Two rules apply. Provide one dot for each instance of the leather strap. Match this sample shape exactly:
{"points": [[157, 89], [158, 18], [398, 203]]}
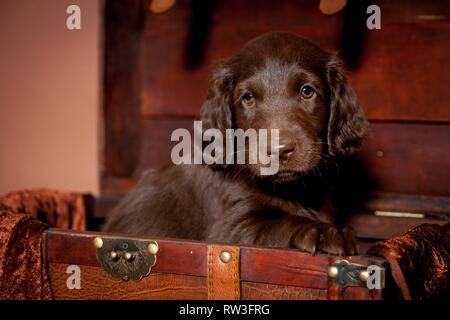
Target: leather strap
{"points": [[223, 277], [335, 292]]}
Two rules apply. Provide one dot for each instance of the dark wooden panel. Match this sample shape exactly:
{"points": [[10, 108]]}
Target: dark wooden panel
{"points": [[407, 158], [399, 62], [371, 226], [433, 207], [122, 131], [404, 158], [157, 146], [399, 76]]}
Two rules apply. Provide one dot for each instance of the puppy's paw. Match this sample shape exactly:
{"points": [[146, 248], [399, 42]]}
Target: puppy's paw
{"points": [[326, 238]]}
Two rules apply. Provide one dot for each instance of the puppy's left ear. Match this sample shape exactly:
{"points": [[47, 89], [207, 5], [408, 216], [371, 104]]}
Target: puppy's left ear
{"points": [[347, 125]]}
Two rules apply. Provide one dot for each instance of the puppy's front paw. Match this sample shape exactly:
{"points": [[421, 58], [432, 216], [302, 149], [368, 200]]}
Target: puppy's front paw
{"points": [[327, 238]]}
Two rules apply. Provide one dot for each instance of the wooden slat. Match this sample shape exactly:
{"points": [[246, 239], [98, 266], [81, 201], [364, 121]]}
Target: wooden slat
{"points": [[122, 137], [437, 207], [370, 226]]}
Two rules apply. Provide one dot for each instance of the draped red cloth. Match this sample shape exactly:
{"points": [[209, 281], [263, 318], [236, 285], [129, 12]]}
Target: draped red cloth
{"points": [[419, 261], [59, 209], [24, 216], [22, 270]]}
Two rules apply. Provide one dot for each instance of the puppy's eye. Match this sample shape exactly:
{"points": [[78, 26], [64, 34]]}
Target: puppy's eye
{"points": [[307, 92], [249, 100]]}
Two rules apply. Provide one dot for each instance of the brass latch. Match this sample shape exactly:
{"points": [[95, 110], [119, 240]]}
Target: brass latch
{"points": [[126, 259], [345, 274]]}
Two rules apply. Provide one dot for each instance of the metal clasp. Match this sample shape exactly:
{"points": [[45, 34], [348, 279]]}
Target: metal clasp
{"points": [[345, 274], [126, 259]]}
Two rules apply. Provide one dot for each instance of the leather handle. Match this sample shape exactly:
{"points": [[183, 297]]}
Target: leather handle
{"points": [[223, 273]]}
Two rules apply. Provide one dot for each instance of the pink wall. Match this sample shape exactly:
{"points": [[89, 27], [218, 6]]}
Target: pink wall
{"points": [[50, 95]]}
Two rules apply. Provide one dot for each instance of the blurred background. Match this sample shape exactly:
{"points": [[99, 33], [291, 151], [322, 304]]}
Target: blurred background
{"points": [[90, 110], [50, 96]]}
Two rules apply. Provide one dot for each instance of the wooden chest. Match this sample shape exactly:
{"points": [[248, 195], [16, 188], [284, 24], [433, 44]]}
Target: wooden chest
{"points": [[78, 269]]}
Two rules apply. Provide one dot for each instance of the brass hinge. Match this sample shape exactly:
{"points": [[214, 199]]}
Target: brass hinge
{"points": [[126, 259]]}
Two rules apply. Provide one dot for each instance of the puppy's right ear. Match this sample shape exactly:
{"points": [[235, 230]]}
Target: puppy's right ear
{"points": [[216, 111]]}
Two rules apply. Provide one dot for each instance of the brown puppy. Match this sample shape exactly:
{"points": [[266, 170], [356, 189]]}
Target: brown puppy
{"points": [[277, 81]]}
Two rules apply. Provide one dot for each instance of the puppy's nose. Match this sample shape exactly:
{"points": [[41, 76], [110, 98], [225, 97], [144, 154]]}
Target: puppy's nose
{"points": [[286, 149]]}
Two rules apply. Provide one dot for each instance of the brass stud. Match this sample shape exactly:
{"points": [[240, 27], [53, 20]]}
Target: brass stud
{"points": [[129, 256], [98, 242], [225, 256], [364, 275], [333, 271], [113, 255], [153, 248]]}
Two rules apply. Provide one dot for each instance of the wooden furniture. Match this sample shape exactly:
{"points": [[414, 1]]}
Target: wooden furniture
{"points": [[195, 270]]}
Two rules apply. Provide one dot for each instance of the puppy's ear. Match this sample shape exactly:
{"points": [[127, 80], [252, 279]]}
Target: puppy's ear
{"points": [[347, 125], [216, 111]]}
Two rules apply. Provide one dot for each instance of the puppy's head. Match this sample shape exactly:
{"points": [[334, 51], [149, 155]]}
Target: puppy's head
{"points": [[281, 81]]}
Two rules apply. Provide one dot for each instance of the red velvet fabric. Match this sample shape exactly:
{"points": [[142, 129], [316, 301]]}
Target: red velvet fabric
{"points": [[59, 209], [420, 261], [23, 273]]}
